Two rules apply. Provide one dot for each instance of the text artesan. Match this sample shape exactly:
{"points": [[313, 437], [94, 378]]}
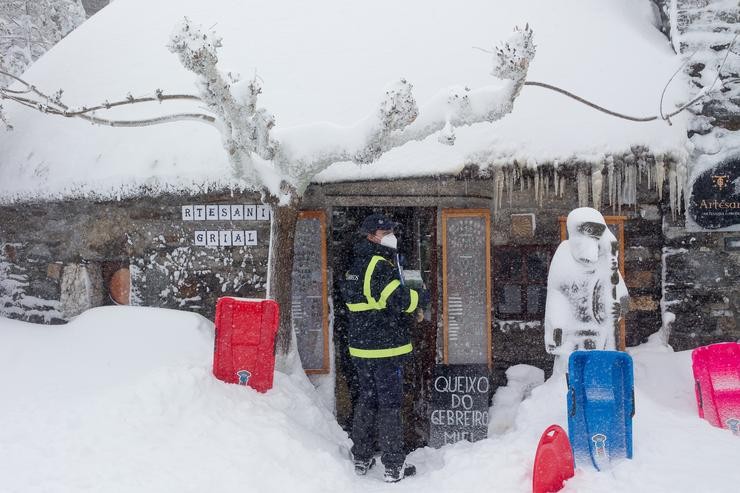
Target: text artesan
{"points": [[719, 204]]}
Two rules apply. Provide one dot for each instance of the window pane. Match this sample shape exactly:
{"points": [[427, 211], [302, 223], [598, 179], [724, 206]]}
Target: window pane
{"points": [[508, 265], [537, 266], [536, 299], [510, 299]]}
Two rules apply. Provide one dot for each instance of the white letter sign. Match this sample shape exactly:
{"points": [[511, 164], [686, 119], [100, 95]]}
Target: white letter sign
{"points": [[237, 212], [224, 238], [263, 212]]}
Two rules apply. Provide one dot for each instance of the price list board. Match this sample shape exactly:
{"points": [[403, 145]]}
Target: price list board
{"points": [[310, 308], [466, 285]]}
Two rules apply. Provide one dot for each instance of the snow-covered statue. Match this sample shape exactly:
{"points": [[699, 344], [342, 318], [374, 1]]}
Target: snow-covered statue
{"points": [[586, 295]]}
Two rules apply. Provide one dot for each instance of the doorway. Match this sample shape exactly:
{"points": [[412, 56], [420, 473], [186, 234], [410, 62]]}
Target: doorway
{"points": [[417, 247]]}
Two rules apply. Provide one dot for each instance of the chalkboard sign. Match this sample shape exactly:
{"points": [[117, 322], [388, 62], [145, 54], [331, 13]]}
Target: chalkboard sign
{"points": [[715, 198], [459, 408], [466, 286], [309, 306]]}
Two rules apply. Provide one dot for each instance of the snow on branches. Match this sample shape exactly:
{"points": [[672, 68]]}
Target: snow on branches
{"points": [[513, 56], [299, 154], [245, 129], [28, 28], [396, 111], [283, 162]]}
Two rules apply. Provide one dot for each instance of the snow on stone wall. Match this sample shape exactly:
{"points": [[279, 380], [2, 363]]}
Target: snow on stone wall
{"points": [[68, 252], [701, 300], [704, 31], [15, 300], [81, 289], [180, 277]]}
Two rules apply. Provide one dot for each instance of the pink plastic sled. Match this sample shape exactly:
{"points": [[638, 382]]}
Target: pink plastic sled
{"points": [[553, 461], [717, 375]]}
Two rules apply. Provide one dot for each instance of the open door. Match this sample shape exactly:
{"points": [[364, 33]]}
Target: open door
{"points": [[417, 247]]}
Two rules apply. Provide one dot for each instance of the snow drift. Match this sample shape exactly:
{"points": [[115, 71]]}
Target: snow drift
{"points": [[122, 399]]}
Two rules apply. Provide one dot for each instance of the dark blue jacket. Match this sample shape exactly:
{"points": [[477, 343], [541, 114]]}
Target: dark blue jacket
{"points": [[379, 305]]}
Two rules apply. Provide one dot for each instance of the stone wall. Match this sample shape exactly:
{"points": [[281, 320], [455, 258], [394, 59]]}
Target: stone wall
{"points": [[702, 296], [29, 284], [147, 236], [701, 303]]}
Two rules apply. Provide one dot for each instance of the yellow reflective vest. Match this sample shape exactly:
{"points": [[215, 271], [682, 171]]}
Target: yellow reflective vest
{"points": [[378, 304]]}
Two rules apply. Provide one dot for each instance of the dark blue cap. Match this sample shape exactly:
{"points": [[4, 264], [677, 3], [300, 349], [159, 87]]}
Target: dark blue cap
{"points": [[374, 222]]}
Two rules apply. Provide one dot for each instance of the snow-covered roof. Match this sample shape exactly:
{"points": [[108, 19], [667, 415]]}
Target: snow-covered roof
{"points": [[330, 60]]}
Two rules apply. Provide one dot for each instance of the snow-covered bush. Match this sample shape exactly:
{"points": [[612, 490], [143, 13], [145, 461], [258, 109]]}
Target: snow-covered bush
{"points": [[28, 28]]}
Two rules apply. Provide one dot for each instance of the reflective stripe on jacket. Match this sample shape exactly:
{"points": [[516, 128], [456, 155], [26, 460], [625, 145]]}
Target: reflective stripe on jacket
{"points": [[378, 304]]}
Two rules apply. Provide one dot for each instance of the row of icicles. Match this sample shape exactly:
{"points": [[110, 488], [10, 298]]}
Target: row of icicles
{"points": [[611, 182]]}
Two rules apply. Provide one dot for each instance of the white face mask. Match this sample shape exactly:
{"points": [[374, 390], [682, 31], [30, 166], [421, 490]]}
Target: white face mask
{"points": [[390, 241]]}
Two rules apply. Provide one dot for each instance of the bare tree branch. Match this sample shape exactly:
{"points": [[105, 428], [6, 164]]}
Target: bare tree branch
{"points": [[10, 91], [150, 121], [702, 94], [55, 106], [665, 87], [589, 103], [145, 99]]}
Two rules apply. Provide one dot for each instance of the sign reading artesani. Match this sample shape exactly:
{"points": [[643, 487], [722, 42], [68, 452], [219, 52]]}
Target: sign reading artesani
{"points": [[226, 212], [231, 213], [715, 198]]}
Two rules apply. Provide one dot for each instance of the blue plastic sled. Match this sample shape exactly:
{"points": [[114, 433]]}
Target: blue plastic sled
{"points": [[601, 403]]}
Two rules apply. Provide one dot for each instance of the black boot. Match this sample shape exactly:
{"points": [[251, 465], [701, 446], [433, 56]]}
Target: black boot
{"points": [[397, 473], [363, 466]]}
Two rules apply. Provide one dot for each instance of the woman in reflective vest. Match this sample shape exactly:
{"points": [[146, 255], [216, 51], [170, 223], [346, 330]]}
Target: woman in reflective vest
{"points": [[379, 307]]}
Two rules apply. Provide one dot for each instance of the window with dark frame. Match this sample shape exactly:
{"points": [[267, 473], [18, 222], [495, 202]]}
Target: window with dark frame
{"points": [[520, 281]]}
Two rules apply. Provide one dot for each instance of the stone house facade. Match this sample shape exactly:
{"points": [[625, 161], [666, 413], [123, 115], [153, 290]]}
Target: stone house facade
{"points": [[183, 251]]}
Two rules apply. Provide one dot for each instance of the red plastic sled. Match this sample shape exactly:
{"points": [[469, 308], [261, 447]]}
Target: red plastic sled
{"points": [[245, 342], [553, 461], [717, 376]]}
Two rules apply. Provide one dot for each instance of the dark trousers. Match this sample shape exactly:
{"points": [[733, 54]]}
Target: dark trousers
{"points": [[378, 409]]}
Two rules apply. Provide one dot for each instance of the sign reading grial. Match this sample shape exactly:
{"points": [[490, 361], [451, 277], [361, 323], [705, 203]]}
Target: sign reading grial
{"points": [[459, 409]]}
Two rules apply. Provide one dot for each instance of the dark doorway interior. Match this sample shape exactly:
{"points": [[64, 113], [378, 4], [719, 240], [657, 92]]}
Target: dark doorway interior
{"points": [[417, 245]]}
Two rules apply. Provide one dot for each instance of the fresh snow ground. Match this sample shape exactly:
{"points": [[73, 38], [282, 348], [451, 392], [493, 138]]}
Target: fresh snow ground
{"points": [[122, 399]]}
